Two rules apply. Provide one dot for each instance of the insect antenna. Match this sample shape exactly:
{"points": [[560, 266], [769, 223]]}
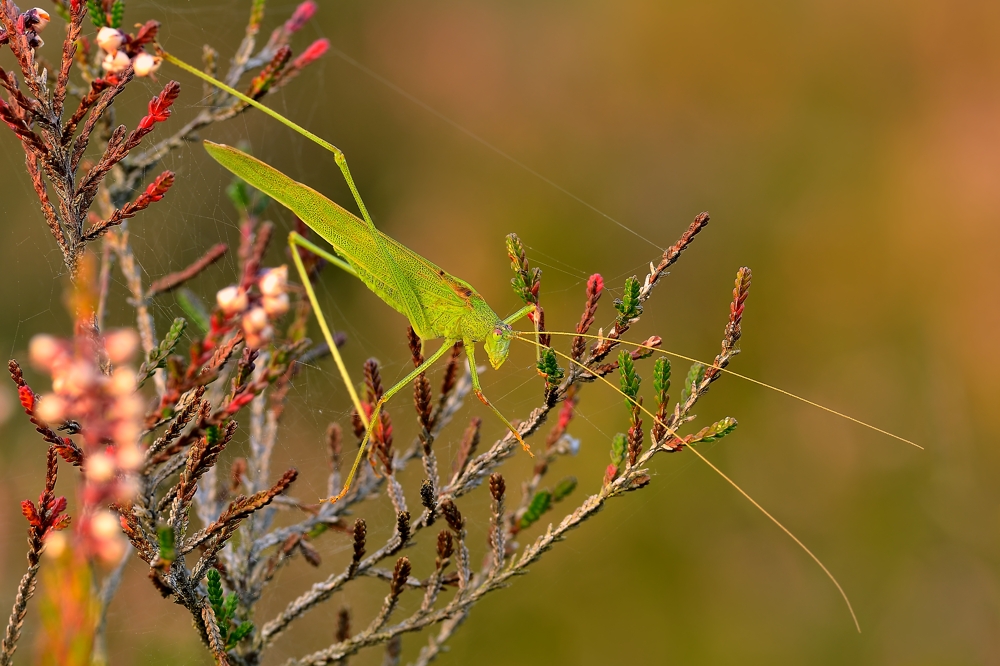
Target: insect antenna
{"points": [[673, 432], [745, 378]]}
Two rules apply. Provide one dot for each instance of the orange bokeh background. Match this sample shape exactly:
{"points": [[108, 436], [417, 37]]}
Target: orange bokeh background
{"points": [[849, 153]]}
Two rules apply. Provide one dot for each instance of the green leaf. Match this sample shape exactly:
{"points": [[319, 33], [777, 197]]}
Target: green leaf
{"points": [[239, 633], [540, 503], [97, 15], [694, 377], [564, 488], [228, 609], [630, 379], [619, 446], [158, 357], [165, 536], [716, 431], [193, 308], [214, 585], [661, 379], [548, 367], [117, 13], [628, 305]]}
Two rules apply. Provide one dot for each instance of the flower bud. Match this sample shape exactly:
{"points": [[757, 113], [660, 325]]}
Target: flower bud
{"points": [[110, 40], [232, 300], [274, 282], [115, 62], [51, 409], [145, 64], [275, 306], [45, 351], [100, 467], [121, 345]]}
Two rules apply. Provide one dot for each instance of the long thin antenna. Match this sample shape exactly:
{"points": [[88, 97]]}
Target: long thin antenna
{"points": [[673, 432], [745, 378]]}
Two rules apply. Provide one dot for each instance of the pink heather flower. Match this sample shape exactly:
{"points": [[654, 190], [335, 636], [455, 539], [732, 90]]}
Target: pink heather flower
{"points": [[107, 408]]}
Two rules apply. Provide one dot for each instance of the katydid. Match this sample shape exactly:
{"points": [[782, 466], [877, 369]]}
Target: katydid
{"points": [[437, 304]]}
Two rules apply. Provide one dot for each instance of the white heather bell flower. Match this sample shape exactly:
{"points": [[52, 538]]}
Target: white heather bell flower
{"points": [[115, 62], [110, 39], [145, 64], [275, 306], [274, 282], [232, 300]]}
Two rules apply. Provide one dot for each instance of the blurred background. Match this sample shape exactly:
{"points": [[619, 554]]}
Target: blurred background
{"points": [[849, 153]]}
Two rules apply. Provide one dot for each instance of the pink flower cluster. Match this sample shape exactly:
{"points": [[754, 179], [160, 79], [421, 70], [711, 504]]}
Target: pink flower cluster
{"points": [[107, 412], [257, 310]]}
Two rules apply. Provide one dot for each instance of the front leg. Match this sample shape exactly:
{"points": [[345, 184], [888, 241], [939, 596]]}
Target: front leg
{"points": [[470, 353]]}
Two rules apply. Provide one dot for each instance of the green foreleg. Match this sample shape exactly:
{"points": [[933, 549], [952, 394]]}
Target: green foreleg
{"points": [[470, 353]]}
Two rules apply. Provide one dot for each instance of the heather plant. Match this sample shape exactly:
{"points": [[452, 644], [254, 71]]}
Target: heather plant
{"points": [[147, 417]]}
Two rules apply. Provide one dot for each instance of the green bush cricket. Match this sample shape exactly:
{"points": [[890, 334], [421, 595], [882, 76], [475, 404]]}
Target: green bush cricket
{"points": [[437, 304]]}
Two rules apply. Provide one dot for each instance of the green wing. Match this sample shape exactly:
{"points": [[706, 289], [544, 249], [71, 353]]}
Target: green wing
{"points": [[429, 297]]}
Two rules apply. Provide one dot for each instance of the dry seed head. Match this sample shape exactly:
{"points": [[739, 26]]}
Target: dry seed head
{"points": [[453, 516], [445, 545], [497, 486], [403, 526], [399, 576]]}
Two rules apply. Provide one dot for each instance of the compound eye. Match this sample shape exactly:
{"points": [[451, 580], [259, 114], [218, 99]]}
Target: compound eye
{"points": [[498, 331]]}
